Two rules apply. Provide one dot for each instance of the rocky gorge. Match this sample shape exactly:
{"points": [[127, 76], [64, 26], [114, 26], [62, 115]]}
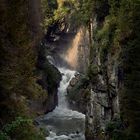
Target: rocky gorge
{"points": [[69, 70]]}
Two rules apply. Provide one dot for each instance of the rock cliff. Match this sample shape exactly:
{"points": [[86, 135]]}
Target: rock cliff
{"points": [[103, 105], [49, 78], [112, 109]]}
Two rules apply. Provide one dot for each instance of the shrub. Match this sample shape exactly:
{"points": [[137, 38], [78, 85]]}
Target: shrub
{"points": [[21, 129]]}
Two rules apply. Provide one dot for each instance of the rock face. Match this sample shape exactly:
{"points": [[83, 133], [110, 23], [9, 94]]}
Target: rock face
{"points": [[78, 93], [69, 48], [113, 107], [49, 78], [103, 104], [81, 39], [96, 95]]}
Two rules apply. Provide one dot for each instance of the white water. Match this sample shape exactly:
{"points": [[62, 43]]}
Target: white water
{"points": [[67, 75], [64, 123]]}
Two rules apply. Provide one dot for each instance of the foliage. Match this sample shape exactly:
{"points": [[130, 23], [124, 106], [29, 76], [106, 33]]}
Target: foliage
{"points": [[75, 12], [117, 37], [21, 128], [129, 40], [48, 8], [54, 11], [17, 63], [82, 13], [3, 136], [92, 73], [115, 129]]}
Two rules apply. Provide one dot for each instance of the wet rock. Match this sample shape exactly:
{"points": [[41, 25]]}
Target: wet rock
{"points": [[49, 79], [73, 82], [78, 93]]}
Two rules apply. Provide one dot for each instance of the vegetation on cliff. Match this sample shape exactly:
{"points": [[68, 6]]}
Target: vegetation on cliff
{"points": [[117, 34], [114, 33]]}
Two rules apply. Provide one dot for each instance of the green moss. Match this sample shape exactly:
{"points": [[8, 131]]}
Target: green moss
{"points": [[92, 73]]}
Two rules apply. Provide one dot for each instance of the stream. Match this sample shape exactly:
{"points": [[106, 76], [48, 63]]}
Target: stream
{"points": [[64, 123]]}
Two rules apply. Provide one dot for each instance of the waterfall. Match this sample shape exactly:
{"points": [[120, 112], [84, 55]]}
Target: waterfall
{"points": [[64, 123], [67, 75]]}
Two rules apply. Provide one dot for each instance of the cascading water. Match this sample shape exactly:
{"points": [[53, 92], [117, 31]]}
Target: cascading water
{"points": [[67, 75], [64, 123]]}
